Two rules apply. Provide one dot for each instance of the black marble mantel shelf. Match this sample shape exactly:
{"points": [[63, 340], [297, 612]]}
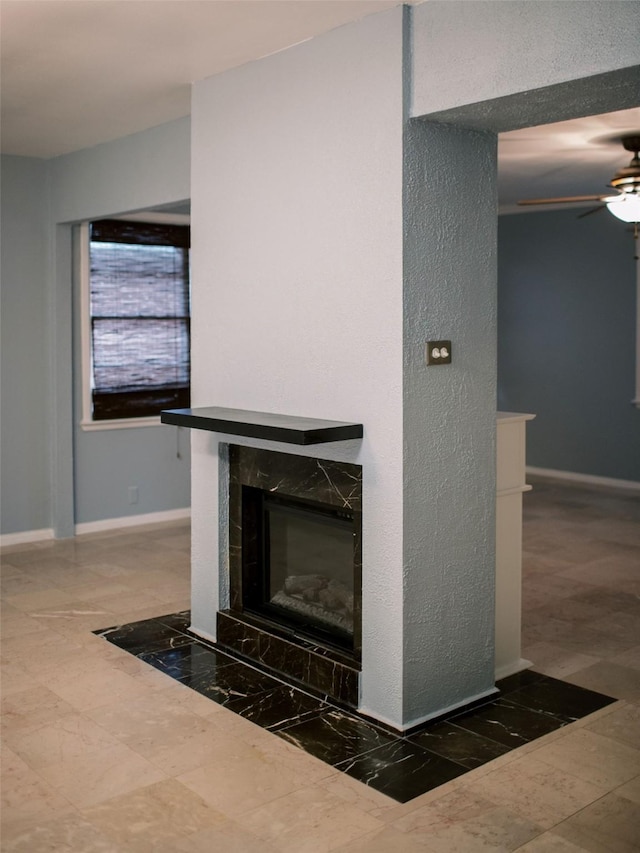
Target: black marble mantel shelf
{"points": [[285, 428]]}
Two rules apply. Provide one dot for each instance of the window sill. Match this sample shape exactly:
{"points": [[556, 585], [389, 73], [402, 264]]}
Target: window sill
{"points": [[120, 423]]}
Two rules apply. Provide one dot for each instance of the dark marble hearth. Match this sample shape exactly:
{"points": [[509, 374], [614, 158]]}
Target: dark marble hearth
{"points": [[460, 745], [146, 636], [298, 661], [403, 767], [278, 708], [563, 700], [334, 736], [508, 723]]}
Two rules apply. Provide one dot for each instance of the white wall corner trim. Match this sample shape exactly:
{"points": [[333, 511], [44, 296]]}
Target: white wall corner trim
{"points": [[133, 520], [26, 536], [204, 635], [593, 479], [511, 668]]}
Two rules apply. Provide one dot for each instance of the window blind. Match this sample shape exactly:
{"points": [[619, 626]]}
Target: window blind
{"points": [[140, 309]]}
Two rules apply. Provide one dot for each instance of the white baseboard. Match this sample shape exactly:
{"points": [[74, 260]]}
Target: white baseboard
{"points": [[592, 479], [26, 536], [418, 721], [133, 520], [203, 634], [511, 668]]}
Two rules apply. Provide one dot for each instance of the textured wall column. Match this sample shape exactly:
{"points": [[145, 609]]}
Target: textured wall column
{"points": [[449, 417]]}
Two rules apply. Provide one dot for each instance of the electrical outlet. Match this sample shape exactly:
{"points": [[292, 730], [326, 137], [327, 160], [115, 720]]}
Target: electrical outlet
{"points": [[438, 352], [133, 494]]}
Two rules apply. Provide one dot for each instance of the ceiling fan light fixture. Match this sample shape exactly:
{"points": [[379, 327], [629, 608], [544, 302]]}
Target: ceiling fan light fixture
{"points": [[625, 206]]}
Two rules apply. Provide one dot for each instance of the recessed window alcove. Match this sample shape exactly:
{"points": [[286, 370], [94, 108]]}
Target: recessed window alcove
{"points": [[295, 568]]}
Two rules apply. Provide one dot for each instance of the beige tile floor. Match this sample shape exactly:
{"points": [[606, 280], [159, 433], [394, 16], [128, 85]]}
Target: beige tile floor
{"points": [[102, 753]]}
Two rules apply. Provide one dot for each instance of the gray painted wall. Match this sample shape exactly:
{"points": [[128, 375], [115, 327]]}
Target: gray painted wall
{"points": [[40, 431], [145, 170], [566, 340], [471, 54], [25, 389], [449, 417]]}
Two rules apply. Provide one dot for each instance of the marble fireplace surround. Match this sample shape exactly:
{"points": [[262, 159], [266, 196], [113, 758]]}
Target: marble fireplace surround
{"points": [[322, 667]]}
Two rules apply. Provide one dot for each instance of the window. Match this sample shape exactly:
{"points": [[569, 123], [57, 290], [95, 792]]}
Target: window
{"points": [[138, 310]]}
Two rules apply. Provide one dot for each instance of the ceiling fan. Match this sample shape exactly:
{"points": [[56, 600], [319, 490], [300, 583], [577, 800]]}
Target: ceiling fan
{"points": [[625, 204]]}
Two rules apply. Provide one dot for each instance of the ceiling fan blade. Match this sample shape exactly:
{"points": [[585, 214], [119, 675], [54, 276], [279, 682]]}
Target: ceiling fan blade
{"points": [[564, 200], [591, 210]]}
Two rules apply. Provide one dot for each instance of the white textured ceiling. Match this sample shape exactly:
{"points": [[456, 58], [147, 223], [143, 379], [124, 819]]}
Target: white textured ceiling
{"points": [[79, 72]]}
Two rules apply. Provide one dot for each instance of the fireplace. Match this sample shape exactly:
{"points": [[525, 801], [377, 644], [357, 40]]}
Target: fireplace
{"points": [[298, 564], [295, 567]]}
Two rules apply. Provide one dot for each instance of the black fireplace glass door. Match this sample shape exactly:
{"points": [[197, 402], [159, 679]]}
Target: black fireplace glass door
{"points": [[305, 566], [311, 565]]}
